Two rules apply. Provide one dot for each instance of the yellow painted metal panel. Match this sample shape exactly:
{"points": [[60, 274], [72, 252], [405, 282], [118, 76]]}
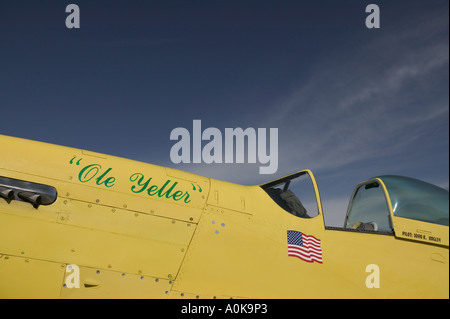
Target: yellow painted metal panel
{"points": [[96, 283], [231, 196], [95, 236], [22, 277], [233, 255], [420, 231], [247, 257], [406, 268]]}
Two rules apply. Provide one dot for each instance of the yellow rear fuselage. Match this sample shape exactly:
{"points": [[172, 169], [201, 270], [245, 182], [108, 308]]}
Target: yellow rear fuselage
{"points": [[135, 230]]}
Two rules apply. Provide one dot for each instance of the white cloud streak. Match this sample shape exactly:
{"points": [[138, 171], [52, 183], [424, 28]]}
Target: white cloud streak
{"points": [[351, 111]]}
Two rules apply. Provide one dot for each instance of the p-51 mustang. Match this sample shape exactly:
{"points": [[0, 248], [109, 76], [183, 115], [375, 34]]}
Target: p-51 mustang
{"points": [[78, 224]]}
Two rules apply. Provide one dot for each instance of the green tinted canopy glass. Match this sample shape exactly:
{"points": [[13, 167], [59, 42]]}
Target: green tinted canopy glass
{"points": [[418, 200]]}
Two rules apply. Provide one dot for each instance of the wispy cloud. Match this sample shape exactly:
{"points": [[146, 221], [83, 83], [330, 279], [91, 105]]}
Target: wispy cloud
{"points": [[382, 99], [368, 101], [361, 106]]}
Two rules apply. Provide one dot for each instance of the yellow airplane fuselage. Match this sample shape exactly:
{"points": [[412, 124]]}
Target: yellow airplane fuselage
{"points": [[133, 230]]}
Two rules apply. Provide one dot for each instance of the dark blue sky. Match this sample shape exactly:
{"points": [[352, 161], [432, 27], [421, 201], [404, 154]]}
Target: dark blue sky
{"points": [[350, 103]]}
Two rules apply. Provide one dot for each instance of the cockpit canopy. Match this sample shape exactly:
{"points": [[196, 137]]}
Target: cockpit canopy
{"points": [[418, 200], [371, 203]]}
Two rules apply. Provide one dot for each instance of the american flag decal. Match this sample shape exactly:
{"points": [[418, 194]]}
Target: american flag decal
{"points": [[305, 247]]}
